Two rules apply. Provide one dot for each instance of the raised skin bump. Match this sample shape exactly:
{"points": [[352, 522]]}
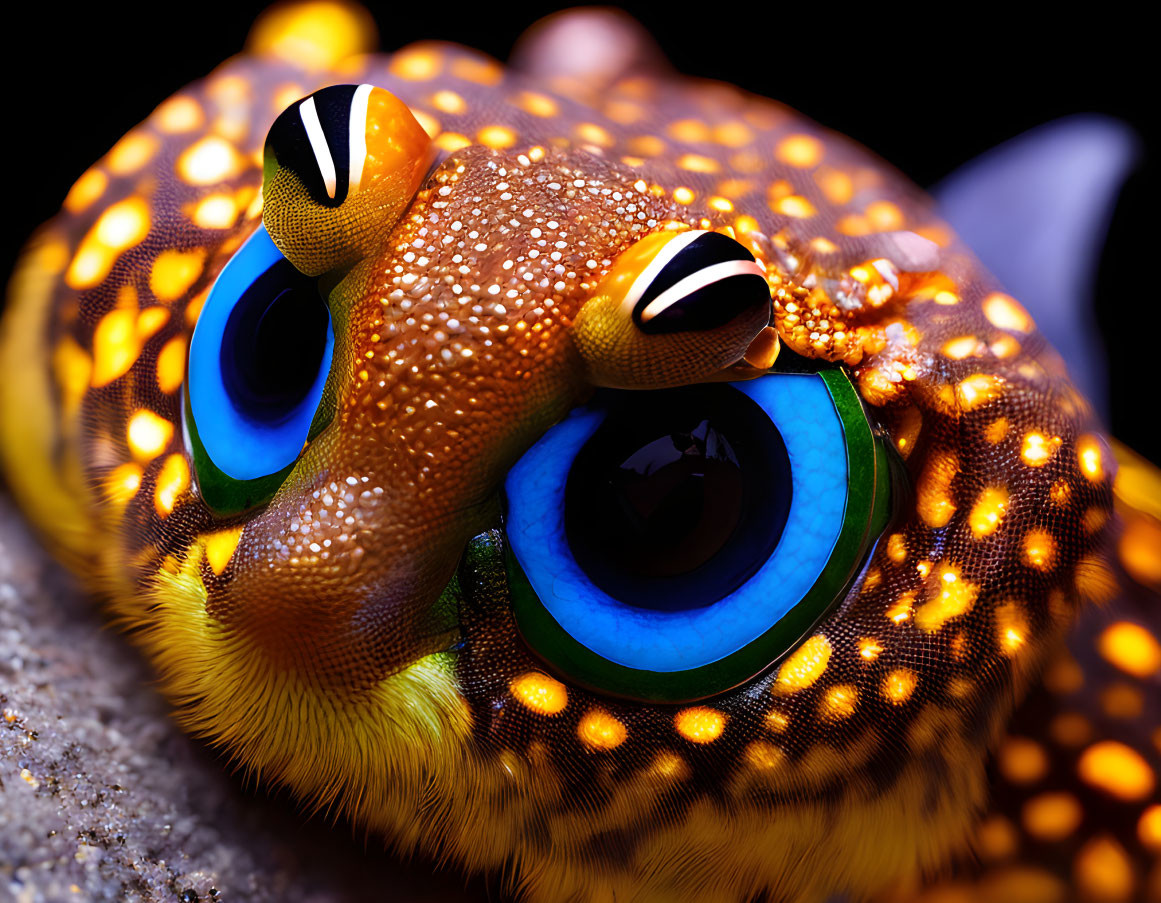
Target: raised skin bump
{"points": [[886, 739]]}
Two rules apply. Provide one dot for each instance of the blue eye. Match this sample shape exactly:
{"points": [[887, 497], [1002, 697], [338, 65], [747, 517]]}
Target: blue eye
{"points": [[671, 545], [258, 366]]}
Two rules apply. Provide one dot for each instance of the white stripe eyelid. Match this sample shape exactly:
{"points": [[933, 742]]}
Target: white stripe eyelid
{"points": [[699, 280], [318, 144], [358, 141], [668, 251]]}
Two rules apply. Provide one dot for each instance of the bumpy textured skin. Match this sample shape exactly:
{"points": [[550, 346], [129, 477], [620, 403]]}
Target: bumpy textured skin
{"points": [[304, 640]]}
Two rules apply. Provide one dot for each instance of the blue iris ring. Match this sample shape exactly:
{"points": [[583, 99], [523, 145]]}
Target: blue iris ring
{"points": [[625, 650], [259, 362]]}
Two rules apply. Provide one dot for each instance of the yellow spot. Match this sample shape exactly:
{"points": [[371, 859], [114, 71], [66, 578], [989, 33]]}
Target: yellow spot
{"points": [[698, 163], [899, 684], [823, 245], [416, 65], [208, 161], [85, 190], [777, 722], [960, 347], [977, 390], [220, 547], [669, 765], [427, 122], [647, 146], [995, 431], [869, 649], [732, 134], [448, 102], [316, 34], [122, 483], [839, 703], [805, 665], [946, 298], [1131, 648], [451, 141], [148, 435], [497, 137], [600, 730], [131, 153], [689, 130], [835, 184], [722, 205], [1088, 453], [1117, 769], [897, 548], [988, 511], [591, 133], [884, 216], [1039, 550], [178, 114], [1103, 872], [122, 226], [700, 724], [116, 346], [746, 224], [1140, 550], [1038, 448], [683, 195], [794, 205], [763, 756], [1149, 829], [174, 272], [1011, 627], [1060, 492], [477, 71], [171, 365], [996, 839], [1022, 761], [1005, 312], [540, 693], [902, 609], [955, 597], [1051, 817], [799, 150], [537, 104], [172, 481], [215, 211], [933, 492]]}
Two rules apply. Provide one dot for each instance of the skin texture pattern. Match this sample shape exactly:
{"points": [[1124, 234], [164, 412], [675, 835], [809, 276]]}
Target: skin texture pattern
{"points": [[331, 595]]}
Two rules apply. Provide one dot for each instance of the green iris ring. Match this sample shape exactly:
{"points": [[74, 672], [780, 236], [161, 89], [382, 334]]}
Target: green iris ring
{"points": [[868, 510]]}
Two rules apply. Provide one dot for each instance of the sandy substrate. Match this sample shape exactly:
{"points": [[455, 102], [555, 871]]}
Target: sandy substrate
{"points": [[103, 798]]}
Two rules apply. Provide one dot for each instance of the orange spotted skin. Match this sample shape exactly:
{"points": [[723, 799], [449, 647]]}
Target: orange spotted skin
{"points": [[857, 765]]}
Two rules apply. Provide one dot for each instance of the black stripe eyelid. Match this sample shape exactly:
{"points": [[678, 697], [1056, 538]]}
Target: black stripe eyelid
{"points": [[292, 148]]}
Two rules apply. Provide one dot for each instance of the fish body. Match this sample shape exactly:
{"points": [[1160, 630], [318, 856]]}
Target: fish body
{"points": [[348, 625]]}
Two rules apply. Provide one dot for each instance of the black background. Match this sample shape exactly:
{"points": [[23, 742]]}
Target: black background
{"points": [[927, 88]]}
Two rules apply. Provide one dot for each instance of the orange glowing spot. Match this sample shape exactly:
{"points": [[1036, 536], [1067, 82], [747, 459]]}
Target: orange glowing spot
{"points": [[1116, 769], [872, 580], [1149, 829], [988, 511], [746, 224], [954, 597], [1103, 871], [591, 133], [700, 724], [1139, 549], [220, 547], [178, 114], [902, 609], [1039, 550], [215, 211], [805, 665], [131, 153], [995, 431], [85, 190], [148, 435], [1088, 453], [1011, 627], [72, 367], [960, 347], [869, 649], [124, 224], [996, 838], [171, 365], [116, 346], [1004, 312], [417, 65], [977, 390], [647, 146], [1120, 700], [802, 151], [174, 272], [317, 34], [854, 225], [451, 141], [448, 102], [839, 703], [899, 684], [540, 693], [683, 195], [122, 483], [537, 104], [836, 185], [689, 130], [478, 71], [1131, 648], [1022, 761], [732, 134], [1059, 492], [897, 548], [208, 161], [172, 481], [669, 765], [698, 163], [934, 501], [1038, 448], [945, 298], [763, 756], [777, 722], [823, 245], [600, 730], [794, 205], [426, 121], [497, 137], [1052, 817], [722, 205], [884, 216]]}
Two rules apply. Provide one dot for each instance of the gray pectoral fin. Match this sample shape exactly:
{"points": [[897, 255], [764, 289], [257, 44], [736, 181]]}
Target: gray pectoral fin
{"points": [[1036, 210]]}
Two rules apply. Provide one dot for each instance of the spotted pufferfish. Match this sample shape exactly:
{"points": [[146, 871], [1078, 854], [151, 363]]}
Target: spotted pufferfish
{"points": [[605, 478]]}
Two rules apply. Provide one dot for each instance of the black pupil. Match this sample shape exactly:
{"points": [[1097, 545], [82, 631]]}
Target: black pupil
{"points": [[274, 344], [679, 496]]}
